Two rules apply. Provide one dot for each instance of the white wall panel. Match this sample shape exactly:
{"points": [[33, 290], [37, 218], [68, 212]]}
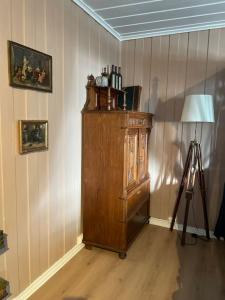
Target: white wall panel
{"points": [[180, 64], [40, 194]]}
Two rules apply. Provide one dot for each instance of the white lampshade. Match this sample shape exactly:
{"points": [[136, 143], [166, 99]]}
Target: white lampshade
{"points": [[198, 108]]}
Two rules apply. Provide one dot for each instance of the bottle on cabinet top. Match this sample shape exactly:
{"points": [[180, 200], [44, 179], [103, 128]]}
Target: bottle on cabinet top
{"points": [[105, 81], [116, 76], [108, 73], [111, 78], [119, 79]]}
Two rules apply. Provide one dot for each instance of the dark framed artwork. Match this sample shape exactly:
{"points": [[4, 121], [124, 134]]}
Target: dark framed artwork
{"points": [[29, 68], [33, 136], [3, 242], [4, 288], [133, 96]]}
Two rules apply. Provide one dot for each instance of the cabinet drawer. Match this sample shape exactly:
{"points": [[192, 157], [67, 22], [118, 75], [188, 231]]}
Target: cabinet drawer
{"points": [[137, 199], [138, 220]]}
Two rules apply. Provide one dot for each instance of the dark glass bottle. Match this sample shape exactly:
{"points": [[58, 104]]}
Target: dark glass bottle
{"points": [[108, 74], [120, 79], [112, 77], [117, 78]]}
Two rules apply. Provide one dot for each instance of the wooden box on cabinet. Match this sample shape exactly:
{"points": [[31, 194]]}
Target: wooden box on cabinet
{"points": [[115, 178]]}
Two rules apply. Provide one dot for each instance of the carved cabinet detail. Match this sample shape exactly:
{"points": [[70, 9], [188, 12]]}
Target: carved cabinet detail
{"points": [[143, 154], [132, 157]]}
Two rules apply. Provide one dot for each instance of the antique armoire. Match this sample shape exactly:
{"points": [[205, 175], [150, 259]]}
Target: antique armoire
{"points": [[115, 178]]}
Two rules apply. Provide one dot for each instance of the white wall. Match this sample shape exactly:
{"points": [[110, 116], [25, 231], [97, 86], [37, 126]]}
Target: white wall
{"points": [[40, 192], [168, 68], [40, 206]]}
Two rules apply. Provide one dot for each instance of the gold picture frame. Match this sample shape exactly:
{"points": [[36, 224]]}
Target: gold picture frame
{"points": [[33, 136]]}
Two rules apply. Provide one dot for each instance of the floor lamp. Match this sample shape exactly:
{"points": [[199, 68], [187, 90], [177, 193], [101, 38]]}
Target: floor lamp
{"points": [[197, 109]]}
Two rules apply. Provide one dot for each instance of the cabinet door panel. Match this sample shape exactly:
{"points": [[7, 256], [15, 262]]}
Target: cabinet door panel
{"points": [[132, 158], [143, 154]]}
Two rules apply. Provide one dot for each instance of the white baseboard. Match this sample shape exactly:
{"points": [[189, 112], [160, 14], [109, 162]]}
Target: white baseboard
{"points": [[166, 224], [36, 284]]}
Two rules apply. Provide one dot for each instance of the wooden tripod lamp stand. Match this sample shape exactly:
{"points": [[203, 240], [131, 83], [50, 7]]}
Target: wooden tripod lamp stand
{"points": [[197, 109]]}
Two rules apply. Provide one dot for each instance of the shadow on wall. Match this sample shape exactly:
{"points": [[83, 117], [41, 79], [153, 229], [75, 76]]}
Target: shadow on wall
{"points": [[216, 177], [211, 136]]}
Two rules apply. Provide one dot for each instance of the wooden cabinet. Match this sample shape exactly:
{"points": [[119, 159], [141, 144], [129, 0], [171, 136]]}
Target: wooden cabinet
{"points": [[115, 178]]}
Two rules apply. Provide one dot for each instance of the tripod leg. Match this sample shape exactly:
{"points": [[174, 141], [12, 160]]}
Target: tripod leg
{"points": [[201, 180], [186, 168], [188, 199]]}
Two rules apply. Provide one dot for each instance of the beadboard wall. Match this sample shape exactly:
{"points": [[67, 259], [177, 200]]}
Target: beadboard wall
{"points": [[168, 68], [40, 206]]}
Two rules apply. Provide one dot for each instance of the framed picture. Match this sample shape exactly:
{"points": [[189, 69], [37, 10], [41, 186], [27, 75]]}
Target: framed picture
{"points": [[133, 96], [3, 242], [4, 288], [33, 136], [29, 68]]}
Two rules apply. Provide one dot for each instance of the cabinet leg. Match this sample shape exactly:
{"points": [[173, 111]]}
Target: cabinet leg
{"points": [[122, 255], [89, 247]]}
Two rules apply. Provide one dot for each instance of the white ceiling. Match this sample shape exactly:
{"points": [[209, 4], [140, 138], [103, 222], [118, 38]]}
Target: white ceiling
{"points": [[131, 19]]}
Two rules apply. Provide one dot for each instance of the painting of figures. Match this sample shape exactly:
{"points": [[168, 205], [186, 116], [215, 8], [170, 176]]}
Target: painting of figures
{"points": [[33, 136], [29, 68]]}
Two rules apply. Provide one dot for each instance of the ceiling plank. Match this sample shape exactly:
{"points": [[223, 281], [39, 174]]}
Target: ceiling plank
{"points": [[172, 23], [140, 19], [171, 30], [155, 7], [130, 19], [108, 4]]}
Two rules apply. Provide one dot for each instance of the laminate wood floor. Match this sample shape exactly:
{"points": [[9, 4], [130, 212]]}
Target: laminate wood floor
{"points": [[156, 268]]}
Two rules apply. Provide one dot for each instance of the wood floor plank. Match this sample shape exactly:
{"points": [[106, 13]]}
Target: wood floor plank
{"points": [[156, 268]]}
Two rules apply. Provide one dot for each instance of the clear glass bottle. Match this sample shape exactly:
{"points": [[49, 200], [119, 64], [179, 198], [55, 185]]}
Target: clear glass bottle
{"points": [[104, 78]]}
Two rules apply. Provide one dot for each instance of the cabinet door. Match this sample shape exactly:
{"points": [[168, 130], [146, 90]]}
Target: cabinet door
{"points": [[132, 158], [143, 154]]}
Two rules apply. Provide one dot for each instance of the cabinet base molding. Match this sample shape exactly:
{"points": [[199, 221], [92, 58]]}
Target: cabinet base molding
{"points": [[122, 253], [41, 280], [89, 245], [179, 227]]}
